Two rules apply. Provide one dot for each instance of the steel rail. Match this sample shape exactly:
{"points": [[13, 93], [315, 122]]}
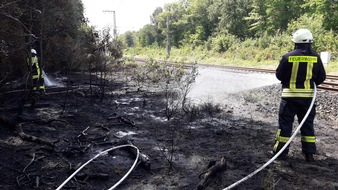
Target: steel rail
{"points": [[334, 77], [330, 84]]}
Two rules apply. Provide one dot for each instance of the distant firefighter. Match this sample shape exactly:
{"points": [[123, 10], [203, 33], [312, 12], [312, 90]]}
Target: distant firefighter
{"points": [[37, 76]]}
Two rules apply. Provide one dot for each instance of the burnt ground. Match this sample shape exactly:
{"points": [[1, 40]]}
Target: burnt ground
{"points": [[71, 127]]}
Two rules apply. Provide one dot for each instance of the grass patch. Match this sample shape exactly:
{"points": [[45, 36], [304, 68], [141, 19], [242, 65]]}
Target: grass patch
{"points": [[260, 58]]}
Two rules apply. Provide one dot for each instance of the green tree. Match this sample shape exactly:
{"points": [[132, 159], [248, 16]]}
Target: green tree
{"points": [[324, 40], [159, 33], [231, 15], [258, 18], [327, 8], [178, 26], [280, 13], [55, 28], [129, 39], [198, 28], [147, 35], [61, 23]]}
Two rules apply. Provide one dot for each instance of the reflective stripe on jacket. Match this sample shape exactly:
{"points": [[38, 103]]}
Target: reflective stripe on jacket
{"points": [[36, 71], [298, 70]]}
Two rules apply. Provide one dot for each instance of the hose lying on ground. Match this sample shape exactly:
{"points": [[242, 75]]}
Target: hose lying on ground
{"points": [[99, 154], [282, 149]]}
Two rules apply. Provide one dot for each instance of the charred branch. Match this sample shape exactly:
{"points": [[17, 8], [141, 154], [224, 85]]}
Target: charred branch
{"points": [[211, 172]]}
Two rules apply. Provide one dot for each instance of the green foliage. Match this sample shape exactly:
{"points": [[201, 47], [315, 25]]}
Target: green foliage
{"points": [[327, 9], [175, 82], [258, 18], [242, 32], [222, 43], [202, 22], [53, 28], [233, 14], [58, 31], [324, 40], [211, 108], [332, 68], [147, 35], [281, 12], [129, 39]]}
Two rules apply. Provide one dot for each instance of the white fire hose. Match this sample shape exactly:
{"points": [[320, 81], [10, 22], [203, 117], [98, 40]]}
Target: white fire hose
{"points": [[99, 154], [282, 149], [227, 188]]}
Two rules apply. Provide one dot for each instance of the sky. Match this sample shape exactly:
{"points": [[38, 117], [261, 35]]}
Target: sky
{"points": [[131, 15]]}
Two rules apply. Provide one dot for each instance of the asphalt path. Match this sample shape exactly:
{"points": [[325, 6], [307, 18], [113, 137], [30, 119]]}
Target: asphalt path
{"points": [[213, 85]]}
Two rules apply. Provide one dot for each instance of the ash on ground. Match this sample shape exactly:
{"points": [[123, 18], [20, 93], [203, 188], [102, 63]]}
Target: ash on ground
{"points": [[241, 129]]}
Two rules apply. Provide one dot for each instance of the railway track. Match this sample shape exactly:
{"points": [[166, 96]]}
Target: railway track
{"points": [[330, 84]]}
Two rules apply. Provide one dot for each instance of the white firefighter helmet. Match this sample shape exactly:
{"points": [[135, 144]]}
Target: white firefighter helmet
{"points": [[302, 36], [33, 51]]}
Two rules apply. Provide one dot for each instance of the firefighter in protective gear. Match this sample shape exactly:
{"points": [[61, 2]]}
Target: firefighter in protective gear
{"points": [[298, 70], [37, 76]]}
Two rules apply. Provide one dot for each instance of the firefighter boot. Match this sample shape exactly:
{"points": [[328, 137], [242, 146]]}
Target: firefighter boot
{"points": [[277, 147], [309, 157]]}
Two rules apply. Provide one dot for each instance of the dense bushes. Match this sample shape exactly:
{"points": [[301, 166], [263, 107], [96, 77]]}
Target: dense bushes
{"points": [[247, 32]]}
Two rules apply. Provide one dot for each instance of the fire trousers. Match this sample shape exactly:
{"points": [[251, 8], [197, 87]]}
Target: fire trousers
{"points": [[289, 108]]}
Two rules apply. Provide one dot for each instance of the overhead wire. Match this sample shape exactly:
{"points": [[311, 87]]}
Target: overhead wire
{"points": [[119, 5]]}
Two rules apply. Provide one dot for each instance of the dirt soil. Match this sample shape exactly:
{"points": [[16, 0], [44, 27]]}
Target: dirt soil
{"points": [[65, 129]]}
